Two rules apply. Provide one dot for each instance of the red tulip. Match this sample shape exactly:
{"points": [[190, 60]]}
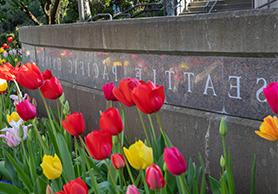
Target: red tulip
{"points": [[51, 88], [29, 76], [26, 110], [118, 161], [108, 91], [5, 46], [148, 97], [154, 177], [123, 92], [74, 124], [111, 121], [10, 39], [47, 74], [7, 72], [99, 144], [132, 189], [271, 95], [174, 160], [76, 186]]}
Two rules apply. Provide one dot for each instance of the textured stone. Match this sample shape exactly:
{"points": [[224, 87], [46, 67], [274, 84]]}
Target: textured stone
{"points": [[228, 85]]}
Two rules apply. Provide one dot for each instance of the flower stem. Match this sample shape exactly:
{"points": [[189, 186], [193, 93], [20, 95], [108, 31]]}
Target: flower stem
{"points": [[143, 125], [48, 114], [144, 182], [76, 155], [18, 90], [111, 177], [166, 138], [45, 150], [183, 187], [152, 127], [93, 180], [129, 172]]}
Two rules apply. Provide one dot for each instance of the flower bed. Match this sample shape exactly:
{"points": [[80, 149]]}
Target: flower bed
{"points": [[53, 154]]}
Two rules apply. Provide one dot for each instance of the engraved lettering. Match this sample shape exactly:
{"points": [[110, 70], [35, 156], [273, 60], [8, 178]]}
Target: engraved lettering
{"points": [[235, 87], [209, 85]]}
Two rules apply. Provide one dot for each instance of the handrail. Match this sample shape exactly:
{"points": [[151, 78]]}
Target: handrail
{"points": [[213, 5], [135, 6], [101, 15], [266, 4]]}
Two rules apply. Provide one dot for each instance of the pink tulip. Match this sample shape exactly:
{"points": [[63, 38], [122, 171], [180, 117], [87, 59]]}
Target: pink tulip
{"points": [[132, 189], [271, 95], [154, 177], [174, 160]]}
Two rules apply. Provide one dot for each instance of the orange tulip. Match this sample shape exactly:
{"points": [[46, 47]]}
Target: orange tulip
{"points": [[269, 129]]}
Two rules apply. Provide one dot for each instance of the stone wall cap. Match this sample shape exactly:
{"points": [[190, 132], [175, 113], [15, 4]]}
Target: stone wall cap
{"points": [[251, 31]]}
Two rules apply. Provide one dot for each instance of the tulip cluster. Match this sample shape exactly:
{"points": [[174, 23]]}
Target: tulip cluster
{"points": [[69, 158], [148, 97]]}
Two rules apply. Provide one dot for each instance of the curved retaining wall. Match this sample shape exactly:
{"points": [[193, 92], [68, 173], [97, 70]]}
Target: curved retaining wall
{"points": [[210, 65]]}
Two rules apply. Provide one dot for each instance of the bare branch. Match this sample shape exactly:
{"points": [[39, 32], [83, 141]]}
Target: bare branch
{"points": [[26, 10]]}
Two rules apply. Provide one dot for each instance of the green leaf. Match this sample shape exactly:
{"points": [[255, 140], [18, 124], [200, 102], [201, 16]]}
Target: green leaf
{"points": [[4, 171], [10, 189], [214, 185], [20, 172], [253, 176], [65, 155]]}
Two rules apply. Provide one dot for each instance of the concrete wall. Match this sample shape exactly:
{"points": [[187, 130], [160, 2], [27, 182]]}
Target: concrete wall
{"points": [[237, 35]]}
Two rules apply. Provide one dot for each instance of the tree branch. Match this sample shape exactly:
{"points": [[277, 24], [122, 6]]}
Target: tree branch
{"points": [[45, 6], [25, 9]]}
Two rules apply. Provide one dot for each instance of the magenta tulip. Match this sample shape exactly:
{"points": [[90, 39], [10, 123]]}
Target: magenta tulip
{"points": [[26, 110], [174, 161], [271, 95], [108, 91]]}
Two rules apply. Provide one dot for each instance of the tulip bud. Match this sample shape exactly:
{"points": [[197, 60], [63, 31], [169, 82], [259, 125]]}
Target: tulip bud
{"points": [[118, 161], [132, 189], [111, 121], [74, 124], [26, 110], [99, 144], [154, 177], [49, 190], [223, 129], [108, 91], [5, 46], [10, 39], [222, 161]]}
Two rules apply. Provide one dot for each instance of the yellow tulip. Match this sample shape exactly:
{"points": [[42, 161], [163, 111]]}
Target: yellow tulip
{"points": [[2, 50], [2, 61], [269, 128], [3, 85], [13, 117], [139, 155], [51, 166]]}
